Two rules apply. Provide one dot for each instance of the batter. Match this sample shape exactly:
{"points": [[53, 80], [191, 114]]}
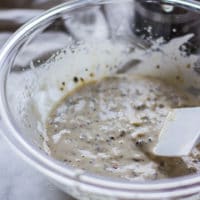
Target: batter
{"points": [[109, 127]]}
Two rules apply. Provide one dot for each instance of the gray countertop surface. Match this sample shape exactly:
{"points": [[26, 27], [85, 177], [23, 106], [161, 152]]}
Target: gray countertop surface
{"points": [[20, 181]]}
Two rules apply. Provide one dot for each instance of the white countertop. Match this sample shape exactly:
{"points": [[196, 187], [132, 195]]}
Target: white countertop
{"points": [[19, 181]]}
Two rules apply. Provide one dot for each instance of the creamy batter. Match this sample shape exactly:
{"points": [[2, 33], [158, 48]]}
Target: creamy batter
{"points": [[109, 127]]}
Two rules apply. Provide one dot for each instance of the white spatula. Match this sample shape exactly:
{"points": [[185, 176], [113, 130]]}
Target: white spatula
{"points": [[180, 132]]}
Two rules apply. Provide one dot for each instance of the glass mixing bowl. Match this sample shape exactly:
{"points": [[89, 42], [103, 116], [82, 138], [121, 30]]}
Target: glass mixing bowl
{"points": [[158, 38]]}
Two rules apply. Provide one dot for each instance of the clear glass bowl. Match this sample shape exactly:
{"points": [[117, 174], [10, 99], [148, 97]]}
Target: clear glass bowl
{"points": [[128, 35]]}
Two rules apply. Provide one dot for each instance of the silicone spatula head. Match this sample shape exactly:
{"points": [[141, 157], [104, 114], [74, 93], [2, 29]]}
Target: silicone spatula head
{"points": [[180, 132]]}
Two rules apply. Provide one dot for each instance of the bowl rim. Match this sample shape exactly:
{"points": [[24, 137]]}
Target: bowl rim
{"points": [[149, 189]]}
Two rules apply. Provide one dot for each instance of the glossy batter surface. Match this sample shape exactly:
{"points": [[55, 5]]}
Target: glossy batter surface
{"points": [[109, 128]]}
